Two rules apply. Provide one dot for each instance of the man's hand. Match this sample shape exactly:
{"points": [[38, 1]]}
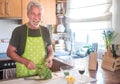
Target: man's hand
{"points": [[30, 65], [49, 62], [49, 58]]}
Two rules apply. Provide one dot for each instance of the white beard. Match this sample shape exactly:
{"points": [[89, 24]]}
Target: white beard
{"points": [[35, 24]]}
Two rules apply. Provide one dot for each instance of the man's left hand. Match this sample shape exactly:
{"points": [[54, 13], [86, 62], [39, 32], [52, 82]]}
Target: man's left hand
{"points": [[49, 62]]}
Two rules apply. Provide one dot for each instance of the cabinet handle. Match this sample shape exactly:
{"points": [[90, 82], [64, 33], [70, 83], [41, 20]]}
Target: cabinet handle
{"points": [[7, 8]]}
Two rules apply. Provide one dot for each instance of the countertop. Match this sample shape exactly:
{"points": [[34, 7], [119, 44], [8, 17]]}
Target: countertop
{"points": [[24, 81], [101, 75], [3, 57], [58, 77]]}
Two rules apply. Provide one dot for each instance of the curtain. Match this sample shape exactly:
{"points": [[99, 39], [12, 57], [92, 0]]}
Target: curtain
{"points": [[88, 16], [88, 10]]}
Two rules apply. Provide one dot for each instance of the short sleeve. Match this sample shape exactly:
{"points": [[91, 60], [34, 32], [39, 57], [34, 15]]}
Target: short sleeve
{"points": [[14, 41]]}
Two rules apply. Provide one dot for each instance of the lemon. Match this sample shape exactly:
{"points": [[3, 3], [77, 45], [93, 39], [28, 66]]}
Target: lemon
{"points": [[70, 79]]}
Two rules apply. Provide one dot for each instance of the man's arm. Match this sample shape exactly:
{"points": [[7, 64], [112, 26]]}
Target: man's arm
{"points": [[11, 52], [50, 56]]}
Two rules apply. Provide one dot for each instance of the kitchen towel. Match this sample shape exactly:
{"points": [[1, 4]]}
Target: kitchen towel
{"points": [[9, 73]]}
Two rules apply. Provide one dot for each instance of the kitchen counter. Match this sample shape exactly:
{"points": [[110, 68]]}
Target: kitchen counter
{"points": [[3, 57], [56, 78], [101, 75], [23, 81], [34, 80]]}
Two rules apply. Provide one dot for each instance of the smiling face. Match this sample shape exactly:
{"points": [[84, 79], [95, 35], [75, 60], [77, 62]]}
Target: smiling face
{"points": [[34, 16]]}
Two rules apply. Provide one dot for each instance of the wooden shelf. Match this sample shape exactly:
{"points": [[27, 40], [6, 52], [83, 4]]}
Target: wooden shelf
{"points": [[60, 14], [60, 1]]}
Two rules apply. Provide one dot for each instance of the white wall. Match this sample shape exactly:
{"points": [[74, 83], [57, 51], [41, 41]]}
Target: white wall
{"points": [[6, 28]]}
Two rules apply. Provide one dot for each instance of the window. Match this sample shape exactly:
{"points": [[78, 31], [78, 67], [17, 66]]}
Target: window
{"points": [[87, 19]]}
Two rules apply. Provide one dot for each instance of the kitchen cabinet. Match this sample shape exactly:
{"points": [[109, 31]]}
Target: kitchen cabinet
{"points": [[49, 14], [24, 11], [56, 65], [10, 8]]}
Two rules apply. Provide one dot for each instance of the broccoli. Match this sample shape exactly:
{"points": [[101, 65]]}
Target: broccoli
{"points": [[43, 71]]}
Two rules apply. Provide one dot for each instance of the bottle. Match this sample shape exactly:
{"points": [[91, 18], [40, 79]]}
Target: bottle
{"points": [[60, 27]]}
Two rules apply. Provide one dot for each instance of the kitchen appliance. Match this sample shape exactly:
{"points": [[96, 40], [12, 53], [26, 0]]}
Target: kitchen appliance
{"points": [[5, 64]]}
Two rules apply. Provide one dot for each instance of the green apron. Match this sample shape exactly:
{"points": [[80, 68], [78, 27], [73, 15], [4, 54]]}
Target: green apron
{"points": [[35, 51]]}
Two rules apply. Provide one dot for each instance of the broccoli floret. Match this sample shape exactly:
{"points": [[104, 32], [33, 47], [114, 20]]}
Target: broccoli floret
{"points": [[43, 71]]}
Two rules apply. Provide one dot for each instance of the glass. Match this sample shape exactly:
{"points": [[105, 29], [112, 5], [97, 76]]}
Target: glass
{"points": [[81, 71]]}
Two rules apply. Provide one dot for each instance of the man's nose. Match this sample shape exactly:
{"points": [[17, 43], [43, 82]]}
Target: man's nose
{"points": [[37, 17]]}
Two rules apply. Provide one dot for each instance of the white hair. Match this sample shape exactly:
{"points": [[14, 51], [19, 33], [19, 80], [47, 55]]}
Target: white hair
{"points": [[34, 3]]}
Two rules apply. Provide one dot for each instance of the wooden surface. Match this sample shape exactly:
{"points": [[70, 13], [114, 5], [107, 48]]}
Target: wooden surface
{"points": [[56, 65], [110, 63], [93, 61], [10, 8], [24, 11], [49, 12], [103, 76]]}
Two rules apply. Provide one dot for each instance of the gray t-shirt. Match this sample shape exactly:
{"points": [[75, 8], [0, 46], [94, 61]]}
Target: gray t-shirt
{"points": [[19, 35]]}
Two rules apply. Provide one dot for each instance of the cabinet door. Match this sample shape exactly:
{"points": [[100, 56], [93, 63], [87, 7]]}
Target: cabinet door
{"points": [[13, 8], [49, 15], [56, 65], [24, 11], [10, 8], [2, 7]]}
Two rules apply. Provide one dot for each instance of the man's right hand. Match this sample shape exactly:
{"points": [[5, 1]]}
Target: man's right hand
{"points": [[30, 65]]}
